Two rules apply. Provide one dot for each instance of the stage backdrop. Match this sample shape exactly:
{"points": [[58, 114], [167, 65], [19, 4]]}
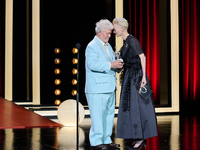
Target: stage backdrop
{"points": [[190, 52], [150, 23], [63, 24]]}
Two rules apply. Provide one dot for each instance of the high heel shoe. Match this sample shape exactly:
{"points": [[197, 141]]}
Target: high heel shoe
{"points": [[142, 144], [131, 142]]}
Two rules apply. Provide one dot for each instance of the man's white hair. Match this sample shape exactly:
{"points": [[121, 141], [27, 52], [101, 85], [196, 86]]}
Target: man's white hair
{"points": [[102, 25]]}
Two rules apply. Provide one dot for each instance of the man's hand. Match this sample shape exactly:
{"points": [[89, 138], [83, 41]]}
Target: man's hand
{"points": [[117, 64]]}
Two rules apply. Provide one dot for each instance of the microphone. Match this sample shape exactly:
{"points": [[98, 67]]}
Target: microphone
{"points": [[78, 45]]}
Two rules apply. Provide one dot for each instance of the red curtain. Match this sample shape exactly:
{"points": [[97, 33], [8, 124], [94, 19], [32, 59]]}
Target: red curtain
{"points": [[190, 47], [145, 27], [190, 135]]}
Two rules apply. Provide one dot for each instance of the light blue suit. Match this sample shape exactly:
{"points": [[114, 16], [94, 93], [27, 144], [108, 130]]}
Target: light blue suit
{"points": [[100, 91]]}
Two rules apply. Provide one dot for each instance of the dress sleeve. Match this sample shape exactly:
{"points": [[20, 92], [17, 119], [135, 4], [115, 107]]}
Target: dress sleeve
{"points": [[135, 45]]}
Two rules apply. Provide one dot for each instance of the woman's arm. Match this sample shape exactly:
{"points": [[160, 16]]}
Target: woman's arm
{"points": [[143, 64]]}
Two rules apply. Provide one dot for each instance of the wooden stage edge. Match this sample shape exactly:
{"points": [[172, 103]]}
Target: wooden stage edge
{"points": [[17, 117]]}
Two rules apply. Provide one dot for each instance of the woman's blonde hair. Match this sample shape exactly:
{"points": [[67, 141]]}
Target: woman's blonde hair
{"points": [[121, 22]]}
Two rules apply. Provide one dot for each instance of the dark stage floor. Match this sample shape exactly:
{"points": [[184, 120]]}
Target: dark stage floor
{"points": [[176, 132]]}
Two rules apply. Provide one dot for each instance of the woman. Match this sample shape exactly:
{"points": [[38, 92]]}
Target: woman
{"points": [[136, 116]]}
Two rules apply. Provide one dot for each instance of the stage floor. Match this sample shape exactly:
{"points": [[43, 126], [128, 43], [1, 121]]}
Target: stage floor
{"points": [[22, 129], [176, 132]]}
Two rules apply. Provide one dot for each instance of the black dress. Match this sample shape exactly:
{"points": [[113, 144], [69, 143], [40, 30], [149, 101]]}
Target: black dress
{"points": [[136, 116]]}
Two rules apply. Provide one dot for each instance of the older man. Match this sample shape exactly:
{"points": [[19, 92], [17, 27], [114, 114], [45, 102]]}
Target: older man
{"points": [[101, 85]]}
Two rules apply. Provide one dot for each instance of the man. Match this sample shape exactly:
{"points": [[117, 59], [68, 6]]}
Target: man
{"points": [[100, 86]]}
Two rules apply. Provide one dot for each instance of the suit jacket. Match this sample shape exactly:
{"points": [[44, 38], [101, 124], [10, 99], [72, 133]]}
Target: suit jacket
{"points": [[99, 77]]}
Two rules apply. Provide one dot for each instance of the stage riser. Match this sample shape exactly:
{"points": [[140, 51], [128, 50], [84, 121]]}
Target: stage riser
{"points": [[51, 111]]}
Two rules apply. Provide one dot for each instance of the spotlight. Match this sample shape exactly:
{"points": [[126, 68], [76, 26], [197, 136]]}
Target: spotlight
{"points": [[74, 82], [57, 102], [57, 61], [57, 50], [75, 50], [74, 71], [74, 92], [57, 92], [57, 81], [75, 61], [57, 71]]}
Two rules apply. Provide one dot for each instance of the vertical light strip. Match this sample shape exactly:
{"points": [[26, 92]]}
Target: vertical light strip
{"points": [[174, 54], [118, 44], [8, 49], [174, 59], [27, 51], [36, 51]]}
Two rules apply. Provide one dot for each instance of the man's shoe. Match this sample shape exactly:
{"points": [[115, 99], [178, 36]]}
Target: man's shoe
{"points": [[101, 146], [113, 146]]}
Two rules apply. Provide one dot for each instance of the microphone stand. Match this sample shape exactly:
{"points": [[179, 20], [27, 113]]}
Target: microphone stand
{"points": [[77, 99]]}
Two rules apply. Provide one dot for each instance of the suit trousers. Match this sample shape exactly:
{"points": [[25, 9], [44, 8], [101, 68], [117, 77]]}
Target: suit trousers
{"points": [[102, 111]]}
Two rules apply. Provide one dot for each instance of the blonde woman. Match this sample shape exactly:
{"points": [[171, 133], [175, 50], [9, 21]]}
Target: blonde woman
{"points": [[136, 116]]}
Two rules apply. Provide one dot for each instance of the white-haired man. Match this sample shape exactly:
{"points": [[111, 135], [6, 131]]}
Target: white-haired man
{"points": [[100, 86]]}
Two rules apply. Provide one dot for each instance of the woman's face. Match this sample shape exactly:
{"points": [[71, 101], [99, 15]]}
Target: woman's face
{"points": [[118, 30]]}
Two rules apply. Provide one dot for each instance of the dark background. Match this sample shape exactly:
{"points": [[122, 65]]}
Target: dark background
{"points": [[62, 25]]}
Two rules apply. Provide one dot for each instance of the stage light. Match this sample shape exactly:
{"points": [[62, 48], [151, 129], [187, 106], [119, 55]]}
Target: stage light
{"points": [[57, 71], [74, 92], [75, 50], [57, 102], [57, 50], [74, 71], [57, 92], [67, 112], [57, 81], [74, 82], [57, 61], [75, 61]]}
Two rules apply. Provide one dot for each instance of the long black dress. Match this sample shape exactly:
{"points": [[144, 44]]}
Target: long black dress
{"points": [[136, 116]]}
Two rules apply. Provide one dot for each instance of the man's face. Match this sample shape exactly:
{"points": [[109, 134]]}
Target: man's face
{"points": [[104, 35]]}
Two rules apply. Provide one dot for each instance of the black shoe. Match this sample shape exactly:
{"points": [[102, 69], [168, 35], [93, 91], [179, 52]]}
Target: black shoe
{"points": [[113, 146], [131, 142], [142, 144], [101, 146]]}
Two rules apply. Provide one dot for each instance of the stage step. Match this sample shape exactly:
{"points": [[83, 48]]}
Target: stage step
{"points": [[50, 111], [17, 117]]}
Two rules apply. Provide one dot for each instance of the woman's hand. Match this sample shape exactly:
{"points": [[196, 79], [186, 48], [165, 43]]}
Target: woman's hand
{"points": [[143, 82]]}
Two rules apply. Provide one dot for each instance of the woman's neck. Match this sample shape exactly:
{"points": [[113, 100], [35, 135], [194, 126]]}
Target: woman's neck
{"points": [[125, 35]]}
